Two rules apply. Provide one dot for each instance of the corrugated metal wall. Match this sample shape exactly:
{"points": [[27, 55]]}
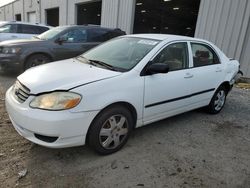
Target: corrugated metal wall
{"points": [[118, 13], [226, 23], [110, 13], [245, 54]]}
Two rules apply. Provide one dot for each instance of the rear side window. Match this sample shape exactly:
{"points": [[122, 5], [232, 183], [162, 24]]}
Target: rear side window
{"points": [[97, 35], [9, 28], [102, 35], [31, 29], [27, 29], [42, 29], [203, 55]]}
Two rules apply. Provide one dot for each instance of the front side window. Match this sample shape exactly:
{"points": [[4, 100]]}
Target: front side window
{"points": [[174, 55], [203, 55], [123, 53], [9, 28], [75, 35]]}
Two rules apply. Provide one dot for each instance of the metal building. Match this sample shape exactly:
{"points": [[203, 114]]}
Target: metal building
{"points": [[224, 22]]}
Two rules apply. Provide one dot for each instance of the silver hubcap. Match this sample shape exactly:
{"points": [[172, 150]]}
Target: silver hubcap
{"points": [[220, 100], [113, 131]]}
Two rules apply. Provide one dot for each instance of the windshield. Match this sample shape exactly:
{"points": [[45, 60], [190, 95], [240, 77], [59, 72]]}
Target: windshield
{"points": [[123, 53], [50, 34]]}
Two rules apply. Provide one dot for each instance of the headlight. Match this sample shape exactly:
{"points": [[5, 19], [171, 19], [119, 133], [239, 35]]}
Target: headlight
{"points": [[56, 101], [10, 50]]}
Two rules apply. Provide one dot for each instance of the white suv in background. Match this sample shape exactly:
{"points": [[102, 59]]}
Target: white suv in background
{"points": [[20, 30]]}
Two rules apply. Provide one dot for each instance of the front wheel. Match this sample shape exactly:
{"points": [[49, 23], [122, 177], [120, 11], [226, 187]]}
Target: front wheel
{"points": [[35, 60], [218, 101], [110, 130]]}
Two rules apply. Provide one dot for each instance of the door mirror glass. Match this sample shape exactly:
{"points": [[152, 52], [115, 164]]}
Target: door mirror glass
{"points": [[156, 68]]}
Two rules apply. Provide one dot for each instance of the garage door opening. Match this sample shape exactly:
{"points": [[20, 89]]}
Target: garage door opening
{"points": [[18, 17], [52, 16], [165, 16], [89, 13], [31, 17]]}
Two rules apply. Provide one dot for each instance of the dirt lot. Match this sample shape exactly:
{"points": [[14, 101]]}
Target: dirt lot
{"points": [[190, 150]]}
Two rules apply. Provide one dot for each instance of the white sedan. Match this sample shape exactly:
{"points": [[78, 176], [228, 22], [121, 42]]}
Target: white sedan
{"points": [[101, 96]]}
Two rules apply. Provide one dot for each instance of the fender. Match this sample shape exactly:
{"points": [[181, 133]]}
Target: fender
{"points": [[30, 51]]}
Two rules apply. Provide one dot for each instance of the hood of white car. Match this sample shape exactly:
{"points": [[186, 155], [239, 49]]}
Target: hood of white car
{"points": [[63, 75]]}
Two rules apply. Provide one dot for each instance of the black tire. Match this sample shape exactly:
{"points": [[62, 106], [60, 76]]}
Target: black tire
{"points": [[104, 144], [214, 107], [35, 60]]}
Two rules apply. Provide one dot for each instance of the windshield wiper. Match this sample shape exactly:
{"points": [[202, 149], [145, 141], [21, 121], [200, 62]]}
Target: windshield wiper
{"points": [[108, 66], [94, 62], [82, 59], [97, 62]]}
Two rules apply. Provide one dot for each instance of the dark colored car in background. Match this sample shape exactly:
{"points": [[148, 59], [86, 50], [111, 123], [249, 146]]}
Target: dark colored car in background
{"points": [[59, 43]]}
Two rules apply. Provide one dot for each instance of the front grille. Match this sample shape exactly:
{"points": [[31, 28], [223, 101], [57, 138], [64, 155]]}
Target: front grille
{"points": [[21, 92]]}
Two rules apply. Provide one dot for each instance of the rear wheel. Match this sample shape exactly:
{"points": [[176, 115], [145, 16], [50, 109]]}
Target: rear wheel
{"points": [[35, 60], [218, 101], [110, 130]]}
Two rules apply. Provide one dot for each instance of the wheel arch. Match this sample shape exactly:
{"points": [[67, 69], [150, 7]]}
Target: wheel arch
{"points": [[37, 53], [127, 105], [226, 85]]}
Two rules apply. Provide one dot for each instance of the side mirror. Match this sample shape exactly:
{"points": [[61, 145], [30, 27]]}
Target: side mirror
{"points": [[62, 39], [156, 68]]}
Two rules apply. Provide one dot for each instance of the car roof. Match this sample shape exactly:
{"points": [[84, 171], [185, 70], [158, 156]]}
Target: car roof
{"points": [[26, 23], [162, 37], [85, 26]]}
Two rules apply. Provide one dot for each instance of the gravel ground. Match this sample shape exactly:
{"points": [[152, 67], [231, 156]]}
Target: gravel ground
{"points": [[193, 149]]}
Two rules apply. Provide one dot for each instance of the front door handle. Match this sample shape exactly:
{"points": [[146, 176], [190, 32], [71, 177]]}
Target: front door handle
{"points": [[13, 36], [188, 75]]}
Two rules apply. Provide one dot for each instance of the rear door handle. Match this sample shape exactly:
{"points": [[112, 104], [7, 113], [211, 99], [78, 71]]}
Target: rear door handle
{"points": [[13, 36], [188, 75]]}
